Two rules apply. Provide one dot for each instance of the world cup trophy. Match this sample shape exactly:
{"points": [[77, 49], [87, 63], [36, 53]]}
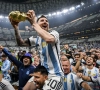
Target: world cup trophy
{"points": [[17, 16]]}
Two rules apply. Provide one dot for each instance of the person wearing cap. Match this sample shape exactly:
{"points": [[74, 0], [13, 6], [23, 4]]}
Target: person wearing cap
{"points": [[5, 67], [25, 68]]}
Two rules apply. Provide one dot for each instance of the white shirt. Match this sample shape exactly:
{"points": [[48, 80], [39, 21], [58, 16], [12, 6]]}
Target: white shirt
{"points": [[49, 53], [71, 82], [96, 79], [91, 72], [5, 85]]}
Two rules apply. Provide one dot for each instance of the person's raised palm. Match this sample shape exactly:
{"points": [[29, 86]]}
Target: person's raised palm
{"points": [[31, 17], [13, 23]]}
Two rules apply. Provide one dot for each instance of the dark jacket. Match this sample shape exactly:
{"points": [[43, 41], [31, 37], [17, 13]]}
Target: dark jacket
{"points": [[24, 71]]}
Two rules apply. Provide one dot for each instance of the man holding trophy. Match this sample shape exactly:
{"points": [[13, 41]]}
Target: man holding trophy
{"points": [[48, 45]]}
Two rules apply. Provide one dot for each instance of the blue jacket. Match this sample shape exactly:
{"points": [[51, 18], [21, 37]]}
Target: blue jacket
{"points": [[24, 71]]}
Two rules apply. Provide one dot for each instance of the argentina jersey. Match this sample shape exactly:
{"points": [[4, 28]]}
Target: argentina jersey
{"points": [[96, 79], [50, 54], [90, 72], [94, 72], [71, 82]]}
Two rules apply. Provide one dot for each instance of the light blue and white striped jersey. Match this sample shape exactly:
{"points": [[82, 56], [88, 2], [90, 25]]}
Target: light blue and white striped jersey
{"points": [[96, 80], [90, 72], [4, 68], [49, 53], [93, 73], [71, 81]]}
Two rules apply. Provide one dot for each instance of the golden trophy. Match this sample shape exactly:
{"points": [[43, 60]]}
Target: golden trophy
{"points": [[17, 16]]}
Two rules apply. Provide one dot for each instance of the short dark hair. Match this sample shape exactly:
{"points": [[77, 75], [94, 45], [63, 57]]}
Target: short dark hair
{"points": [[42, 16], [77, 54], [41, 69], [3, 55], [92, 58]]}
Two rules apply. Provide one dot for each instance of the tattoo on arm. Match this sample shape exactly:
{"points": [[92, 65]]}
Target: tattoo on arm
{"points": [[19, 39]]}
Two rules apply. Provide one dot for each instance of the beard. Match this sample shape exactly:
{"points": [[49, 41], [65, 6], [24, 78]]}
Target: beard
{"points": [[90, 64]]}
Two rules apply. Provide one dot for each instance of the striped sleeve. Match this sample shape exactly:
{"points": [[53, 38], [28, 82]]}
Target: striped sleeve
{"points": [[93, 79], [32, 41], [55, 34]]}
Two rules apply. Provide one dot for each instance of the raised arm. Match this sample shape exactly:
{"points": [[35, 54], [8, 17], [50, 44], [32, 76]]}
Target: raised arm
{"points": [[11, 57], [77, 66], [40, 27], [19, 39]]}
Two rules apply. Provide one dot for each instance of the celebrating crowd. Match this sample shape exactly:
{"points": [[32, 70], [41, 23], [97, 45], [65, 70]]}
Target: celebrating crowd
{"points": [[50, 68]]}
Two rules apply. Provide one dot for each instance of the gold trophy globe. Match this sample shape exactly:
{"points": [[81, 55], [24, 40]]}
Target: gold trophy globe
{"points": [[17, 16]]}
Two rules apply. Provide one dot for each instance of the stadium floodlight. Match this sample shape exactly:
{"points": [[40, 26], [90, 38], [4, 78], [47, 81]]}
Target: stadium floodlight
{"points": [[78, 6], [1, 16], [65, 11], [72, 8], [39, 16], [58, 13], [82, 3], [6, 17], [46, 15], [49, 14], [53, 13]]}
